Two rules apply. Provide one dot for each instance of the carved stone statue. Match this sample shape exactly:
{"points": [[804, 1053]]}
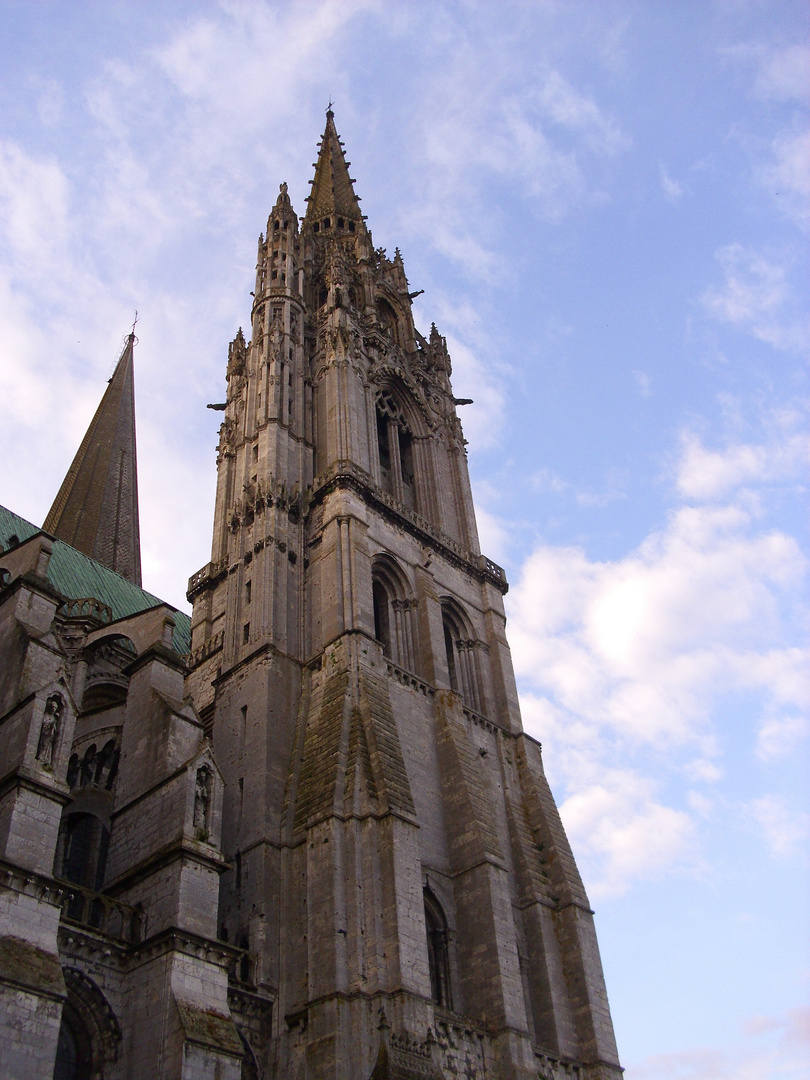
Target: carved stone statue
{"points": [[49, 732], [202, 798]]}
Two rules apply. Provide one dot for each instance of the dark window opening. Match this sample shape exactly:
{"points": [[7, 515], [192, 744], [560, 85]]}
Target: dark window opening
{"points": [[275, 227], [450, 649], [316, 227], [382, 630], [84, 857], [74, 1057], [385, 448], [438, 952], [340, 222], [351, 226], [248, 591], [406, 456], [246, 633]]}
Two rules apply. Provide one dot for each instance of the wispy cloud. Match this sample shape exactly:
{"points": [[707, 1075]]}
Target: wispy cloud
{"points": [[673, 190], [785, 829], [755, 296], [776, 1047]]}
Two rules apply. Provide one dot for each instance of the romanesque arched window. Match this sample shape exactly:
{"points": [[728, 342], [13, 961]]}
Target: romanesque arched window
{"points": [[438, 945], [462, 650], [394, 613], [74, 1050]]}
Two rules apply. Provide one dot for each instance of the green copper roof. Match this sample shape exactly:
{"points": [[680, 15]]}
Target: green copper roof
{"points": [[78, 577]]}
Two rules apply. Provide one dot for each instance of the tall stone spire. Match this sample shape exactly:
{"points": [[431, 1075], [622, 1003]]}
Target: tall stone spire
{"points": [[96, 510], [332, 188]]}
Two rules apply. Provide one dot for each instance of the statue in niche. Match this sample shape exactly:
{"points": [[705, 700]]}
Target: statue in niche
{"points": [[49, 732], [202, 799]]}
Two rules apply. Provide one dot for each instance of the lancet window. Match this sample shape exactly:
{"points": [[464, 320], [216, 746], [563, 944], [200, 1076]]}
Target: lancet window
{"points": [[462, 650], [394, 613], [438, 944], [395, 450]]}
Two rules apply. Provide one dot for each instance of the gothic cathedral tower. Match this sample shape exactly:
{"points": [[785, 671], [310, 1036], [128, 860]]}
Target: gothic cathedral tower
{"points": [[398, 872]]}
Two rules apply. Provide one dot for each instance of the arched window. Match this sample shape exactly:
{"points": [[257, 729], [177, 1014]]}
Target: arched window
{"points": [[438, 951], [462, 650], [84, 850], [74, 1057], [395, 450], [394, 613], [89, 1035], [387, 319], [382, 626]]}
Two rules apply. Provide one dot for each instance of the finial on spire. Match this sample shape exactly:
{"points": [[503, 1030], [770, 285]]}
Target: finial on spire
{"points": [[134, 324], [330, 115]]}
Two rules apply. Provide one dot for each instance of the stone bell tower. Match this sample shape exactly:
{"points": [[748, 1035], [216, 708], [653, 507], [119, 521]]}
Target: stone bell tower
{"points": [[398, 872]]}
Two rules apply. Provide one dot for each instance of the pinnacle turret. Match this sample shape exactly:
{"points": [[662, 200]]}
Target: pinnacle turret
{"points": [[96, 510], [332, 195]]}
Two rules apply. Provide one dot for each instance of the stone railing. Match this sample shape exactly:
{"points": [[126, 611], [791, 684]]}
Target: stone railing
{"points": [[87, 608], [345, 468], [193, 659], [553, 1068], [492, 569], [208, 573], [407, 678], [103, 914]]}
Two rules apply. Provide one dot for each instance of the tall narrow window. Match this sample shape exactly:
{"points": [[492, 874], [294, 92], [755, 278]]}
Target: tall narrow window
{"points": [[438, 951], [450, 649], [385, 449], [406, 466], [382, 631]]}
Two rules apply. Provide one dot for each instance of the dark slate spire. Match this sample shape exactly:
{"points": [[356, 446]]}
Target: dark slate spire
{"points": [[96, 510], [332, 189]]}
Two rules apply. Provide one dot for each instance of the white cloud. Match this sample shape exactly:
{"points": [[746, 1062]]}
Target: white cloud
{"points": [[493, 534], [779, 735], [784, 74], [754, 296], [704, 474], [787, 175], [672, 189], [644, 383], [786, 830], [644, 651]]}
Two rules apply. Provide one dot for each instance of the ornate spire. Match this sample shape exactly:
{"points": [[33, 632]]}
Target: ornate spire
{"points": [[332, 191], [96, 510]]}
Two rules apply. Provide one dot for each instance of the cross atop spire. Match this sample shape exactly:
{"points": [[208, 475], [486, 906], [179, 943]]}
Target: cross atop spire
{"points": [[96, 510], [332, 189]]}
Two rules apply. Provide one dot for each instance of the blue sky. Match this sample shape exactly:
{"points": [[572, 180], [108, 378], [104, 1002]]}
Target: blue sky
{"points": [[607, 206]]}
